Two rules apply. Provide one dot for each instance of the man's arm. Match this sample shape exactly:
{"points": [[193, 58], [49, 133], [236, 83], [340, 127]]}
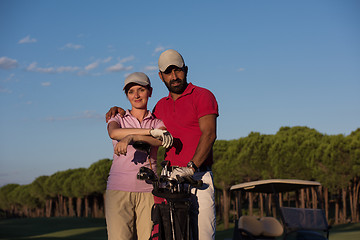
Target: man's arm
{"points": [[207, 125], [208, 128]]}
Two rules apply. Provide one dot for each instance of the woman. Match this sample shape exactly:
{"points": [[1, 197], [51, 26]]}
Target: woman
{"points": [[128, 200]]}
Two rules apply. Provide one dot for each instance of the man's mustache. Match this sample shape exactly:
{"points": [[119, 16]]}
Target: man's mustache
{"points": [[178, 80]]}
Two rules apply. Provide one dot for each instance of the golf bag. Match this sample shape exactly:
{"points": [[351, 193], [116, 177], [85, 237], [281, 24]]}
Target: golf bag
{"points": [[171, 221], [171, 218]]}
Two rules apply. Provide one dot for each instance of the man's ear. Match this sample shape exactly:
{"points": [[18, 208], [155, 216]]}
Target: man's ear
{"points": [[161, 76], [186, 70]]}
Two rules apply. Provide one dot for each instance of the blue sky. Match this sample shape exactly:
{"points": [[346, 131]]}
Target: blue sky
{"points": [[269, 63]]}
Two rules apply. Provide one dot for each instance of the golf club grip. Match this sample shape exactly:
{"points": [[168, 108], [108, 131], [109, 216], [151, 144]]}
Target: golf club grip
{"points": [[193, 182]]}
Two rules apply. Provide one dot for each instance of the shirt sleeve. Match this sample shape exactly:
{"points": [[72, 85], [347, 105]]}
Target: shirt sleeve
{"points": [[159, 124], [206, 104], [114, 119]]}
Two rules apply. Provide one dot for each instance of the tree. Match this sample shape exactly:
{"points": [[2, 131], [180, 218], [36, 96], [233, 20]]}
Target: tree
{"points": [[68, 189], [290, 151], [254, 159], [54, 186], [336, 163], [37, 190], [76, 188], [353, 144], [97, 175], [226, 171], [254, 156], [25, 202], [6, 203]]}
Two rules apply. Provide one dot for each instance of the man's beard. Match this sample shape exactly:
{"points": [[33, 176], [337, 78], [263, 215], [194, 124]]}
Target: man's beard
{"points": [[179, 89]]}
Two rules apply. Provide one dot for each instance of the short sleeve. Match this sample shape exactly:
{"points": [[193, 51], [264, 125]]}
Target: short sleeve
{"points": [[115, 119], [159, 124], [206, 103]]}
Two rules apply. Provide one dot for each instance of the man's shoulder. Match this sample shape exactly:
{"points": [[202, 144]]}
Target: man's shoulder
{"points": [[159, 106], [162, 101], [198, 89], [203, 93]]}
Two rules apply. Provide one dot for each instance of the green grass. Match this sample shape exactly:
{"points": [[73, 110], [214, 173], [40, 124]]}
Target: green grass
{"points": [[53, 228], [95, 229]]}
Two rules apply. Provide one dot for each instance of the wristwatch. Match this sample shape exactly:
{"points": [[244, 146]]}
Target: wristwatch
{"points": [[192, 165]]}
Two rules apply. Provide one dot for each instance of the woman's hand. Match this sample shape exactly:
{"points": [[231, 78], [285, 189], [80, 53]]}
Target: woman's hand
{"points": [[121, 146], [163, 135]]}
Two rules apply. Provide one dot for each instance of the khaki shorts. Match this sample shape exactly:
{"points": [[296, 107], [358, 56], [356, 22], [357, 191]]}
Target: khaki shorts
{"points": [[128, 214]]}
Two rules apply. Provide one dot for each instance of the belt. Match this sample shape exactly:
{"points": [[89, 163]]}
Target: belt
{"points": [[204, 168]]}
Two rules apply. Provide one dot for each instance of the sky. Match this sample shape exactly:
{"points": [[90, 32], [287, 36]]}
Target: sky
{"points": [[269, 64]]}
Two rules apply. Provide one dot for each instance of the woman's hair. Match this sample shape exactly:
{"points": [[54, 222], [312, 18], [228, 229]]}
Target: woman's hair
{"points": [[127, 87]]}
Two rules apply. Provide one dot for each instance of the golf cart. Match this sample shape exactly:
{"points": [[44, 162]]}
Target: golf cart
{"points": [[291, 223]]}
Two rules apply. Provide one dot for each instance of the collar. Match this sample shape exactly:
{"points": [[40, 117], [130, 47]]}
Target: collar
{"points": [[148, 115], [189, 89]]}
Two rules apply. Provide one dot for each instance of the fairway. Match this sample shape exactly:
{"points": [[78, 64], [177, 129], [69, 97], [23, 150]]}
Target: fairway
{"points": [[53, 228], [95, 229]]}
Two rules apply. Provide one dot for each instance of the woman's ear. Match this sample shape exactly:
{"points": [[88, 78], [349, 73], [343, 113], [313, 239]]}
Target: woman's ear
{"points": [[150, 91]]}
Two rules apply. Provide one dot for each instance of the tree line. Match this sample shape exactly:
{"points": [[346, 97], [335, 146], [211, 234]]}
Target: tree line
{"points": [[291, 153], [75, 192]]}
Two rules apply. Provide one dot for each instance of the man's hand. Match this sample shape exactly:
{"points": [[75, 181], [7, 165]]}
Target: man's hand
{"points": [[113, 111], [182, 172], [163, 135]]}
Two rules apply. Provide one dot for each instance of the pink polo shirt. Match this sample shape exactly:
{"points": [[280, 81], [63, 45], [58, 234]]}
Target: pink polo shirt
{"points": [[181, 118], [124, 169]]}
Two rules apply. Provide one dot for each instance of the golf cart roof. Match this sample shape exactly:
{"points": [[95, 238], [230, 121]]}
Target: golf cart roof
{"points": [[274, 185]]}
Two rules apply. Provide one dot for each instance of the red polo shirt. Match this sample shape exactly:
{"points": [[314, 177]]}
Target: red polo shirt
{"points": [[181, 118]]}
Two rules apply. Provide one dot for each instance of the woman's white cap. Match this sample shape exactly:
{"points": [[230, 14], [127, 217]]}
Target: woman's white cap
{"points": [[138, 78], [170, 57]]}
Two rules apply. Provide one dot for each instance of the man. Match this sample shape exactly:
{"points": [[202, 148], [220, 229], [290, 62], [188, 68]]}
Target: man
{"points": [[189, 113]]}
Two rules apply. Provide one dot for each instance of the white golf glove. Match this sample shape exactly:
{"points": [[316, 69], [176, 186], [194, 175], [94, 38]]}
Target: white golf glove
{"points": [[163, 135], [182, 172]]}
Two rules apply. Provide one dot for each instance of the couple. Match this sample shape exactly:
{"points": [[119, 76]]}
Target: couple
{"points": [[189, 114]]}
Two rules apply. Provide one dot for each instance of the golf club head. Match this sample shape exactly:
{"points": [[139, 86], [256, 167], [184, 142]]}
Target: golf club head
{"points": [[146, 174]]}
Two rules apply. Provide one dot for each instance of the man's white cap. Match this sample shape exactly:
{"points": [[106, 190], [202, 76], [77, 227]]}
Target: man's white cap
{"points": [[138, 78], [170, 57]]}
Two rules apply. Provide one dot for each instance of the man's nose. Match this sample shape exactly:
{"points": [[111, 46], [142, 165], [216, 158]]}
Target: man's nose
{"points": [[173, 74]]}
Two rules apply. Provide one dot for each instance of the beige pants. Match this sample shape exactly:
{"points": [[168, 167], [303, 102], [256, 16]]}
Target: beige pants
{"points": [[128, 214]]}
